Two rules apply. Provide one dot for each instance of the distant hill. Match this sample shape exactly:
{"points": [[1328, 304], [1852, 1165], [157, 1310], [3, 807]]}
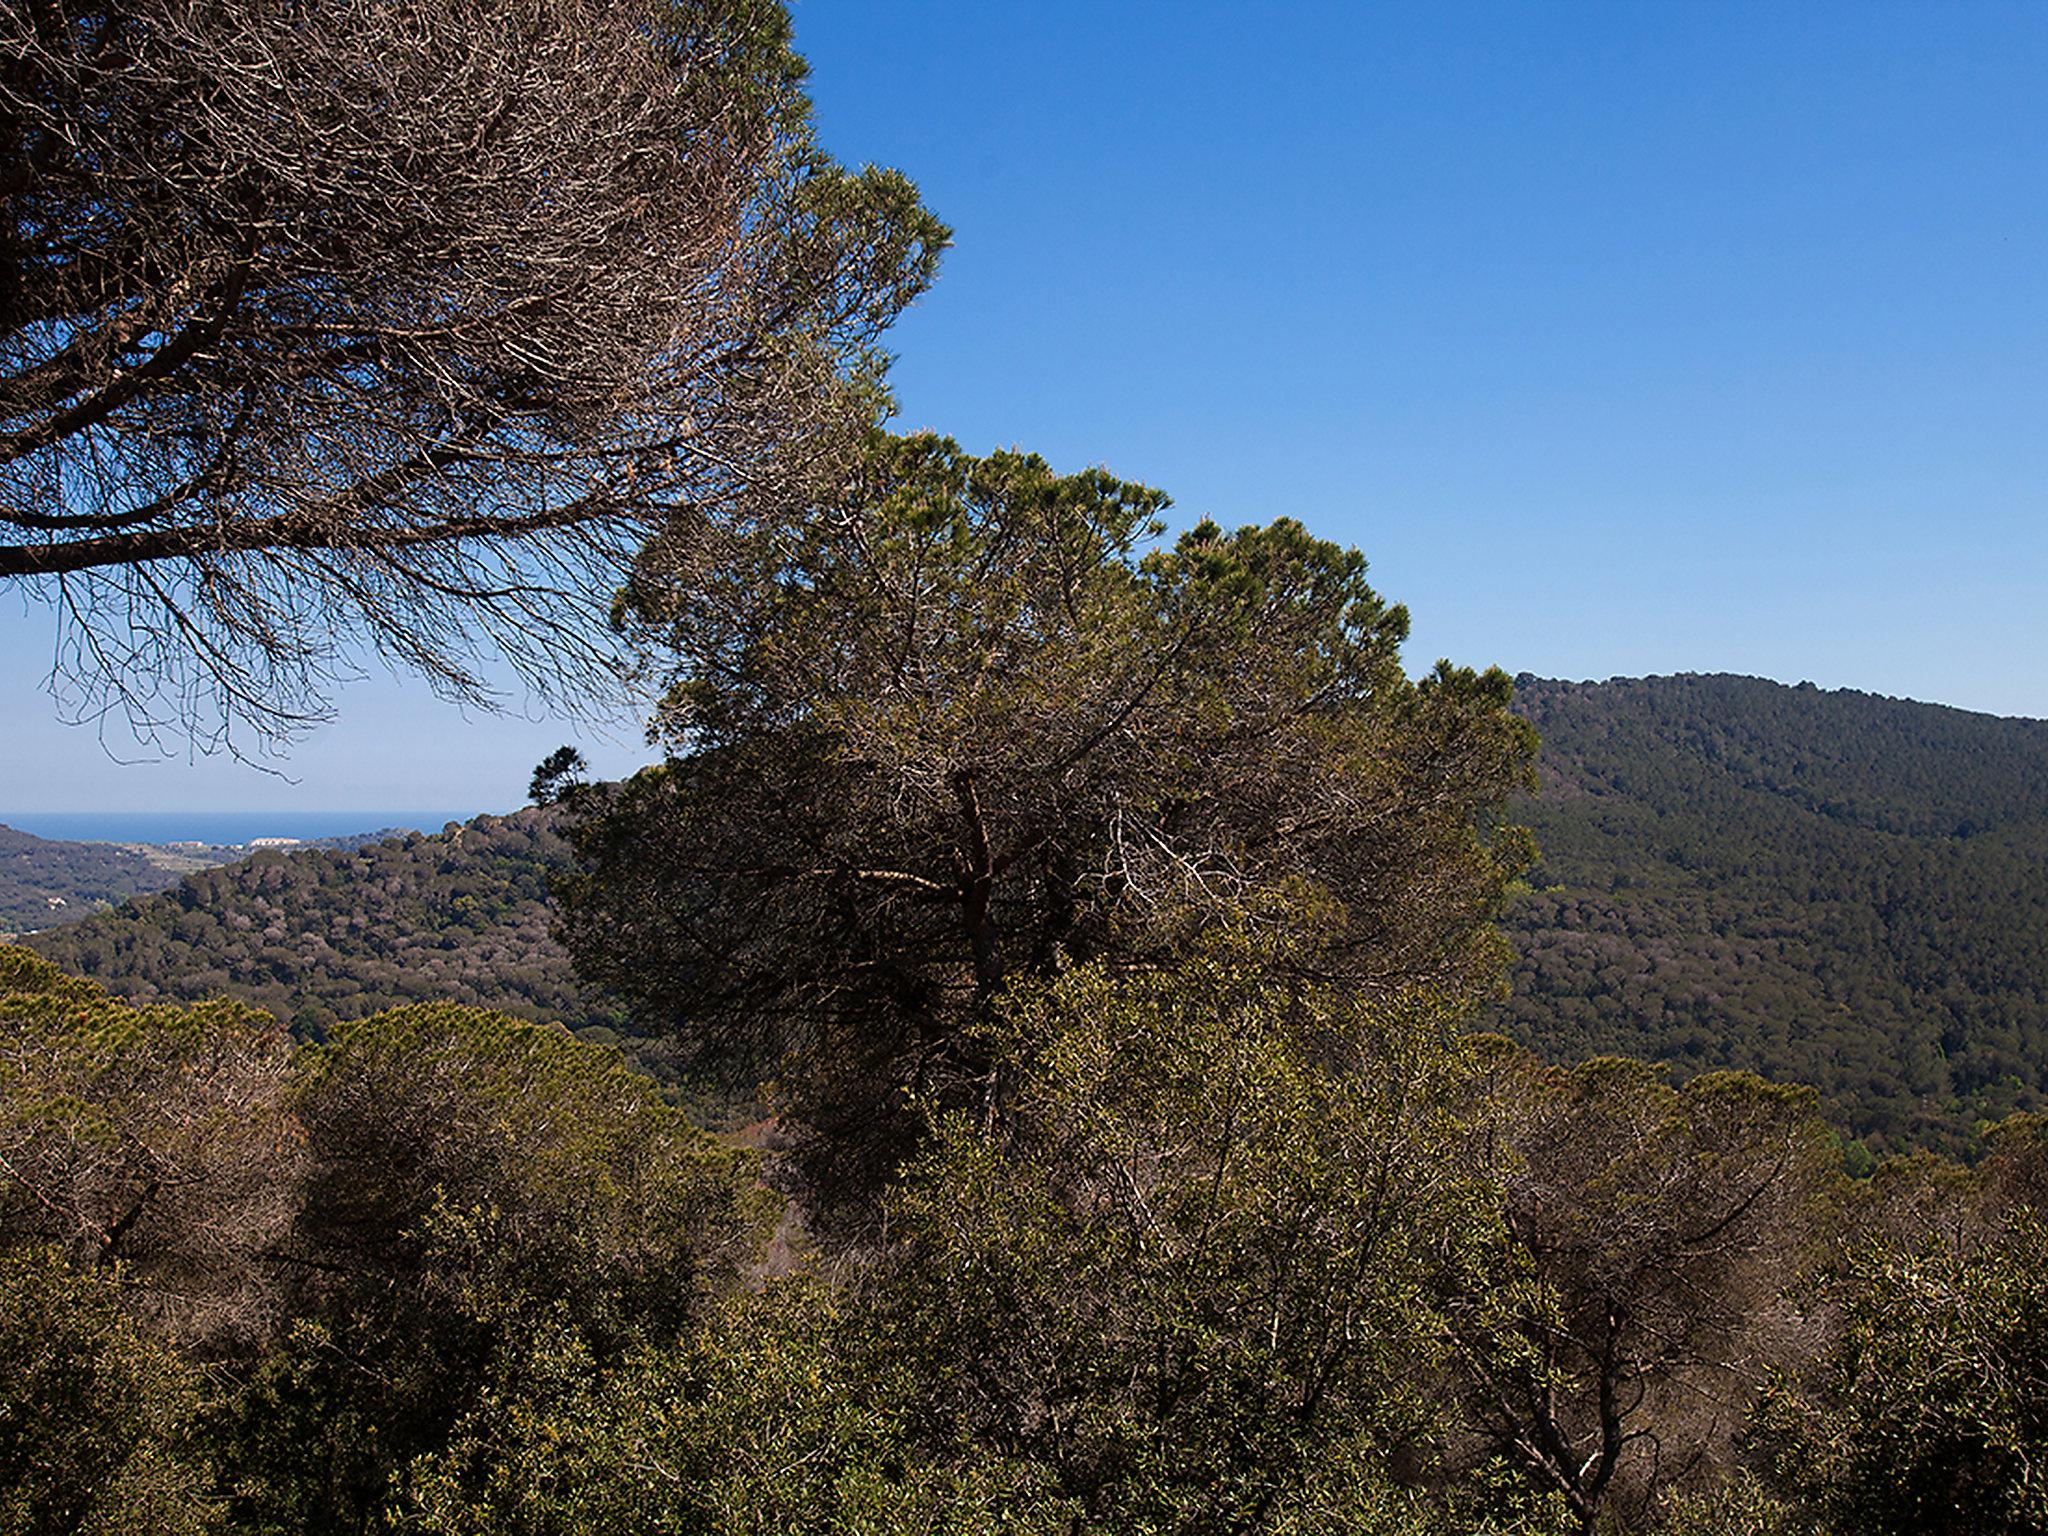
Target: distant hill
{"points": [[44, 881], [322, 935], [1828, 887], [47, 882]]}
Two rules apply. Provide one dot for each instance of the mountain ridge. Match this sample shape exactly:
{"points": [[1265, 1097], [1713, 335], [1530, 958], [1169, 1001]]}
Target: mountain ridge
{"points": [[1827, 886]]}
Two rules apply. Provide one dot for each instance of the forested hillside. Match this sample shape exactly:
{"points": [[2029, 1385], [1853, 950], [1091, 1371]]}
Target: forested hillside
{"points": [[1828, 887], [45, 881], [48, 882], [320, 936]]}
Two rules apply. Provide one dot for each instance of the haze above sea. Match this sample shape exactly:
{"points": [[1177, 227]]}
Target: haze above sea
{"points": [[220, 828]]}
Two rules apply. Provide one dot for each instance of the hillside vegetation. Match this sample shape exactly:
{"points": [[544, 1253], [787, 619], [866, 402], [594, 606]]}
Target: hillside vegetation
{"points": [[1820, 886], [45, 881], [1827, 887], [325, 935]]}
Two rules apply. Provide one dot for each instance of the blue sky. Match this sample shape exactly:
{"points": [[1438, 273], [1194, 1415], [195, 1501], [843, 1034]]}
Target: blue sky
{"points": [[1622, 338]]}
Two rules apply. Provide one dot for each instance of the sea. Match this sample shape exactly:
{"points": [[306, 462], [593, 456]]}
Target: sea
{"points": [[220, 829]]}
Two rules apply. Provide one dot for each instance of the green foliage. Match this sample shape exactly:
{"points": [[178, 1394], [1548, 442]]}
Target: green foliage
{"points": [[95, 1417], [322, 936], [152, 1138], [1192, 1267], [1187, 1241], [1742, 1506], [780, 1415], [1652, 1236], [45, 882], [1929, 1415], [515, 1163], [471, 1178], [1828, 888], [967, 721], [1212, 1251], [558, 774], [1185, 1280], [350, 1238]]}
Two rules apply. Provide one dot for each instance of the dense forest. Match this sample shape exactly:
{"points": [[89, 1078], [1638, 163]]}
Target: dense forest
{"points": [[48, 882], [1184, 1199], [316, 936], [1825, 887], [1234, 1258], [45, 881]]}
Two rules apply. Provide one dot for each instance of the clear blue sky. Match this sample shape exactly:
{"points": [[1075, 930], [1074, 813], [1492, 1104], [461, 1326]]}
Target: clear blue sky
{"points": [[1622, 338]]}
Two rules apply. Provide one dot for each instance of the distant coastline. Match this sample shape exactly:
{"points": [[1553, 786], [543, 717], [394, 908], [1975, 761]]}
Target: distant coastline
{"points": [[219, 828]]}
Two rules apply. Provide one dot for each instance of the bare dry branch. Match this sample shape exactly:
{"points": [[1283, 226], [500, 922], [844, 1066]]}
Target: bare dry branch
{"points": [[404, 325]]}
